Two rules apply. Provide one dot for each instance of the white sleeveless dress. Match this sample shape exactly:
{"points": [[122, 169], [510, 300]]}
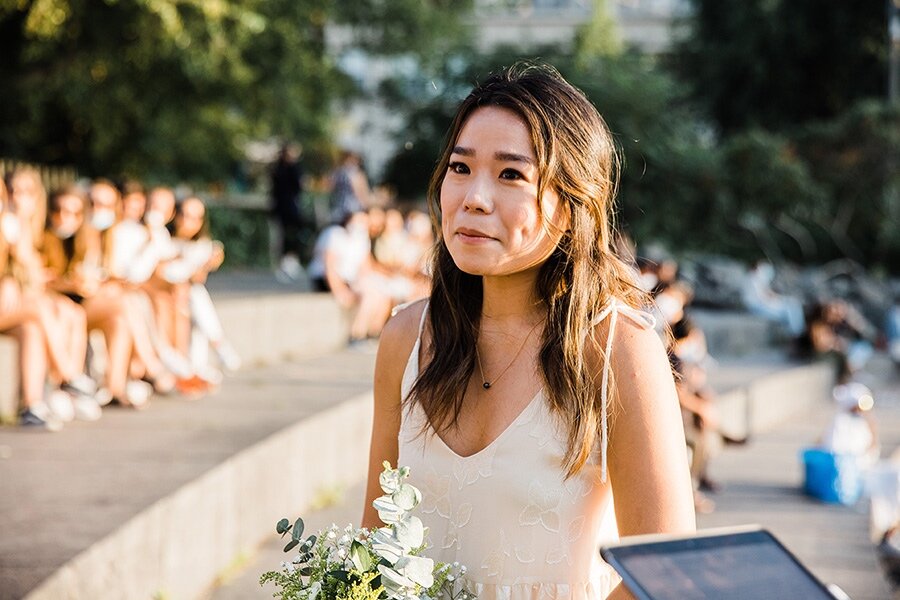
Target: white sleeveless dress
{"points": [[507, 513]]}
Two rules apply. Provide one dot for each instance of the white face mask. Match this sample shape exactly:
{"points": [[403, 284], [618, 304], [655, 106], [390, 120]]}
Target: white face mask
{"points": [[64, 233], [670, 308], [103, 219], [10, 228]]}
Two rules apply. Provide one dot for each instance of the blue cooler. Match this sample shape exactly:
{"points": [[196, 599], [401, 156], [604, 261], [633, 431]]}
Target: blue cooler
{"points": [[833, 478]]}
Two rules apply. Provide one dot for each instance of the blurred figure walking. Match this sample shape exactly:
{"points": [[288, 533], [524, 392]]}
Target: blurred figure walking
{"points": [[287, 186]]}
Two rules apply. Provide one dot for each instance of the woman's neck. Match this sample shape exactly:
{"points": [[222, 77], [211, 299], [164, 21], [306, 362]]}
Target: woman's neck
{"points": [[510, 300]]}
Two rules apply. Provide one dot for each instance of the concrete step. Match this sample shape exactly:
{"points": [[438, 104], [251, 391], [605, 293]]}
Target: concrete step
{"points": [[157, 503], [266, 322], [166, 501], [734, 333]]}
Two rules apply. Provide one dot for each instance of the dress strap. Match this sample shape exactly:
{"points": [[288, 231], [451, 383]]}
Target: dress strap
{"points": [[641, 318]]}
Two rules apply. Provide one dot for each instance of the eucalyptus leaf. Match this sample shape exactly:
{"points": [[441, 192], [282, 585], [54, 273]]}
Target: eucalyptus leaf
{"points": [[298, 530], [406, 497], [360, 556], [410, 533], [291, 545], [417, 568], [394, 580], [283, 526]]}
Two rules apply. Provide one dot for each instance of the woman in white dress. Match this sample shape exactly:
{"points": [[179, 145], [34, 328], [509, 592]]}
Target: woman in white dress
{"points": [[529, 389]]}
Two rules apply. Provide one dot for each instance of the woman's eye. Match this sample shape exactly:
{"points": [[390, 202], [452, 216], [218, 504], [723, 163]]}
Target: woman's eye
{"points": [[511, 174], [458, 168]]}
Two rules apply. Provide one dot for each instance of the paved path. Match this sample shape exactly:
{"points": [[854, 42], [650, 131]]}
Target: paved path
{"points": [[62, 492], [761, 485]]}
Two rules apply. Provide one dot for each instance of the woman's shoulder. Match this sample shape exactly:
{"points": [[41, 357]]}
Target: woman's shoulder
{"points": [[635, 350], [401, 331]]}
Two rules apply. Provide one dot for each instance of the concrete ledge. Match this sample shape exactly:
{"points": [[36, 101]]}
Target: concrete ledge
{"points": [[273, 328], [176, 547], [264, 329], [733, 333], [774, 398], [9, 379]]}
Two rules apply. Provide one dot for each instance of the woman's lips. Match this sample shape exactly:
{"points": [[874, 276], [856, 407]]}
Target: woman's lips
{"points": [[473, 236]]}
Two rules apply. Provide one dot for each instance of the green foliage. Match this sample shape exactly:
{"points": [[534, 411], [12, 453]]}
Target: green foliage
{"points": [[780, 63], [172, 89], [245, 233]]}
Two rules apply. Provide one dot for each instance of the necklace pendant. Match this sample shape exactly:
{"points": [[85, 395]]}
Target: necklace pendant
{"points": [[486, 385]]}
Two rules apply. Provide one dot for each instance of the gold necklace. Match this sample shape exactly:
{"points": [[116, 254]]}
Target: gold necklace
{"points": [[487, 384]]}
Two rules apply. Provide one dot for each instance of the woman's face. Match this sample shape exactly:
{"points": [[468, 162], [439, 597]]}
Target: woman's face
{"points": [[490, 221], [25, 194], [68, 217], [133, 206], [190, 219]]}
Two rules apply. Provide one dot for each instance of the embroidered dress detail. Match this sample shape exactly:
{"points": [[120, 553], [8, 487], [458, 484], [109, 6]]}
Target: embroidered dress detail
{"points": [[508, 512]]}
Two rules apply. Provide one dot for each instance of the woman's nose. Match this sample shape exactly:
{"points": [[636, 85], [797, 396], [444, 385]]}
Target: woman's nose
{"points": [[478, 197]]}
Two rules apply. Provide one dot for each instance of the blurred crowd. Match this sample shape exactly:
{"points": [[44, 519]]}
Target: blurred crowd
{"points": [[831, 329], [371, 255], [103, 287]]}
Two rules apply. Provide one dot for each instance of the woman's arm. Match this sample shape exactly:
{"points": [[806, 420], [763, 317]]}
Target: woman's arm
{"points": [[648, 467], [396, 343]]}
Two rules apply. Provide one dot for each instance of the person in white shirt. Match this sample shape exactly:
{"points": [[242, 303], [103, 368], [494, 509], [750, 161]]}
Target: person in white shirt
{"points": [[343, 265]]}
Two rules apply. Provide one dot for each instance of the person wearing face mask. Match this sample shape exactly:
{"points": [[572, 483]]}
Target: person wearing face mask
{"points": [[760, 299], [343, 265], [76, 257], [19, 320], [62, 321]]}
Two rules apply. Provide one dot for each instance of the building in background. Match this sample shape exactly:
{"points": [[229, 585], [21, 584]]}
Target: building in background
{"points": [[372, 128]]}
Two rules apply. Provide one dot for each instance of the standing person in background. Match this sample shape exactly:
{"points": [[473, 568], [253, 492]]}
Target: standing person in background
{"points": [[349, 187], [287, 187]]}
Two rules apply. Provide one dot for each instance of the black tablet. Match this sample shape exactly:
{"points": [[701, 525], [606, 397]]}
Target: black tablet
{"points": [[734, 564]]}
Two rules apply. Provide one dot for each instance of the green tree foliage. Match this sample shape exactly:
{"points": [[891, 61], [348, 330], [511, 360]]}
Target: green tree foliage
{"points": [[778, 63], [172, 88]]}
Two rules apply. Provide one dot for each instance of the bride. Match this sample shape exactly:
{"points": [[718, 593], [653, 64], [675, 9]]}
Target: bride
{"points": [[529, 390]]}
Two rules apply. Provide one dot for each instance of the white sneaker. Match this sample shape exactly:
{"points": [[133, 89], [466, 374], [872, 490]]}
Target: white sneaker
{"points": [[103, 397], [83, 385], [291, 266], [138, 393], [60, 405], [87, 409], [228, 356]]}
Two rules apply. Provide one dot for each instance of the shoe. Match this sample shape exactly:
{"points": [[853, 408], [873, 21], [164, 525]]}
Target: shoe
{"points": [[228, 356], [103, 397], [162, 384], [87, 409], [192, 387], [29, 419], [290, 266], [80, 384], [138, 393], [60, 404]]}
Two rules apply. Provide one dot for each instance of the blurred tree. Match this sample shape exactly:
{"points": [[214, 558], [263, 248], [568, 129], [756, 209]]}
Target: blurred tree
{"points": [[780, 63], [172, 88]]}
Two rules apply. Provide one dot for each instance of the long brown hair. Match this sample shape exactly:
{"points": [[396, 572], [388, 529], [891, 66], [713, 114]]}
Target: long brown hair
{"points": [[577, 158]]}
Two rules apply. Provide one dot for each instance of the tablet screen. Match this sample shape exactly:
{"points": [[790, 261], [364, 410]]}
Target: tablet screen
{"points": [[738, 566]]}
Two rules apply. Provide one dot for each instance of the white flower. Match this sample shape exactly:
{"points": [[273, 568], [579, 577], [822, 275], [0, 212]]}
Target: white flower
{"points": [[314, 590]]}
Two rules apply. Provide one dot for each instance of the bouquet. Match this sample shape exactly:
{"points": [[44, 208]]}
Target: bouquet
{"points": [[386, 563]]}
